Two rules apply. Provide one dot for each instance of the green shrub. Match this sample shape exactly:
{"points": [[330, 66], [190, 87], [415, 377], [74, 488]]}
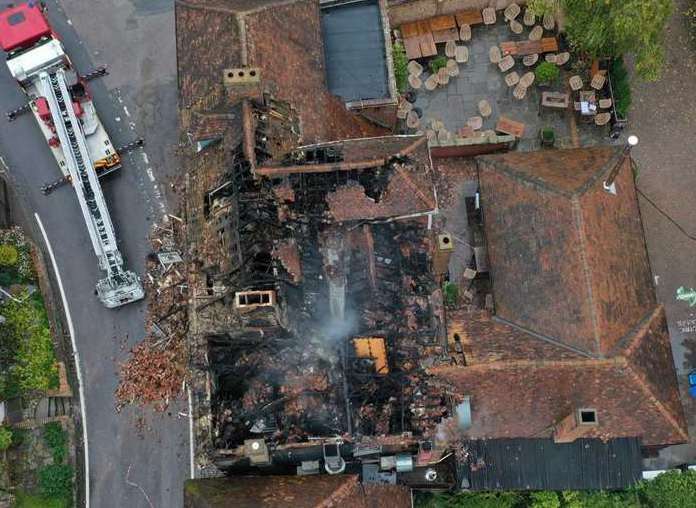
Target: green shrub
{"points": [[400, 66], [55, 481], [437, 63], [672, 489], [26, 500], [547, 72], [541, 7], [544, 499], [33, 364], [470, 500], [450, 293], [56, 439], [9, 255], [621, 86], [5, 438]]}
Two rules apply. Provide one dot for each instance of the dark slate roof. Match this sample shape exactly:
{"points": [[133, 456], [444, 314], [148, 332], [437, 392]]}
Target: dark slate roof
{"points": [[541, 464], [568, 259], [354, 49]]}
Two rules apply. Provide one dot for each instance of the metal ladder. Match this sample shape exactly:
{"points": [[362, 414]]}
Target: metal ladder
{"points": [[119, 286]]}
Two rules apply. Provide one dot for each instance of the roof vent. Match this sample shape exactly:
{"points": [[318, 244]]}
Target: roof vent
{"points": [[587, 417], [444, 242]]}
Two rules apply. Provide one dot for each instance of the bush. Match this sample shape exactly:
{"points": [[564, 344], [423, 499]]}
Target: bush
{"points": [[56, 439], [621, 86], [437, 63], [547, 72], [5, 438], [9, 255], [469, 500], [672, 489], [400, 67], [544, 499], [33, 365], [541, 7], [55, 481]]}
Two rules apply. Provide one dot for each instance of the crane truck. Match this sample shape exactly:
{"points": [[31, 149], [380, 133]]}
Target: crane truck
{"points": [[63, 108]]}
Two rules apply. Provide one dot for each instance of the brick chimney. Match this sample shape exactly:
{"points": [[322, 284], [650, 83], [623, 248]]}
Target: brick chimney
{"points": [[577, 424]]}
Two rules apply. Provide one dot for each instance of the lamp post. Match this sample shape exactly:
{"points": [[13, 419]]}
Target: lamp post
{"points": [[609, 182]]}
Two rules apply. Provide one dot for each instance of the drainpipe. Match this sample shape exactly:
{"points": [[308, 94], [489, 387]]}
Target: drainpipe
{"points": [[609, 185]]}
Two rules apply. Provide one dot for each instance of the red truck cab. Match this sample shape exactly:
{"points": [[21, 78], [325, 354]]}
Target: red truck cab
{"points": [[22, 26]]}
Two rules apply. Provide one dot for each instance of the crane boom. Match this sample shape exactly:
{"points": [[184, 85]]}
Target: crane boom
{"points": [[118, 282], [67, 119]]}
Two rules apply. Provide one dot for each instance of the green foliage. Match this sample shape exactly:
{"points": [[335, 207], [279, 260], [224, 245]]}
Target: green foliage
{"points": [[27, 347], [22, 270], [541, 7], [469, 500], [400, 66], [56, 439], [450, 293], [5, 438], [9, 255], [673, 489], [437, 63], [621, 85], [612, 28], [25, 500], [547, 72], [544, 499], [55, 481]]}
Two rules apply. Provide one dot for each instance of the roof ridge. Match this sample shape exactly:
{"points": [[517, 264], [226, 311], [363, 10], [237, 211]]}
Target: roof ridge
{"points": [[613, 160], [206, 7], [545, 338], [658, 403], [627, 344], [500, 165], [580, 225], [617, 361]]}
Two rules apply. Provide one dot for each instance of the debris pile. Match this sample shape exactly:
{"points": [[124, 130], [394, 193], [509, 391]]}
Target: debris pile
{"points": [[156, 369]]}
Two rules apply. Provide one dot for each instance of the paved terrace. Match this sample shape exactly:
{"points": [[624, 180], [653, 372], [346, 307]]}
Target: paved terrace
{"points": [[479, 79]]}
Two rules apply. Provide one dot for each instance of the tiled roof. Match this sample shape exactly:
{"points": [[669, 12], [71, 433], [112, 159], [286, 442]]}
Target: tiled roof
{"points": [[283, 39], [568, 259], [320, 491], [576, 322], [527, 397]]}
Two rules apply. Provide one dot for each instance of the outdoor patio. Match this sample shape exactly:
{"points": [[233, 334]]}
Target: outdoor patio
{"points": [[450, 105]]}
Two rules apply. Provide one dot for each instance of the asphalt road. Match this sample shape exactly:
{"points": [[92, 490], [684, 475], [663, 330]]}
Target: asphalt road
{"points": [[136, 458]]}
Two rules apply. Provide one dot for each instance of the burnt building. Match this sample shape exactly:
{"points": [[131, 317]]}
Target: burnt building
{"points": [[358, 308]]}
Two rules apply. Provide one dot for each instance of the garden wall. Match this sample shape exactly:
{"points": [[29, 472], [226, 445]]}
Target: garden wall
{"points": [[404, 11]]}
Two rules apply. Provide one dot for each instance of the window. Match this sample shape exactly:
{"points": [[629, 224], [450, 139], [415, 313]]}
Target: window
{"points": [[15, 19], [587, 417]]}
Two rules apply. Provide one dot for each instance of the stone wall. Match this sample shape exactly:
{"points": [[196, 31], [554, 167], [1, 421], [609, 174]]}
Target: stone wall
{"points": [[404, 11]]}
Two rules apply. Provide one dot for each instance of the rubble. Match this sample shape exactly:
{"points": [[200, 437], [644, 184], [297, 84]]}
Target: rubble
{"points": [[155, 371]]}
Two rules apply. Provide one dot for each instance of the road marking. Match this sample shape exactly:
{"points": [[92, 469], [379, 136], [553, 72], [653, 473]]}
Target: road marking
{"points": [[76, 355], [125, 110], [191, 438], [150, 174], [145, 158]]}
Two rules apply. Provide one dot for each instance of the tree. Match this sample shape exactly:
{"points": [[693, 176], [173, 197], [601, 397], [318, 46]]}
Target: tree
{"points": [[672, 489], [9, 255], [603, 28], [5, 438]]}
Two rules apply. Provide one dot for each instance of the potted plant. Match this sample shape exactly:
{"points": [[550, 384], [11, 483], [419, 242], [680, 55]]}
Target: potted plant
{"points": [[546, 73], [547, 136]]}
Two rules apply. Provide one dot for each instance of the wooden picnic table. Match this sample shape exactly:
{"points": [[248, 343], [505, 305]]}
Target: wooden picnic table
{"points": [[468, 17], [555, 100], [442, 22], [447, 35], [545, 45], [509, 126]]}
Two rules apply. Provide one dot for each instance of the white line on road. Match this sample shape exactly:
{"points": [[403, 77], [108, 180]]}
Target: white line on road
{"points": [[76, 355], [191, 438], [125, 110]]}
